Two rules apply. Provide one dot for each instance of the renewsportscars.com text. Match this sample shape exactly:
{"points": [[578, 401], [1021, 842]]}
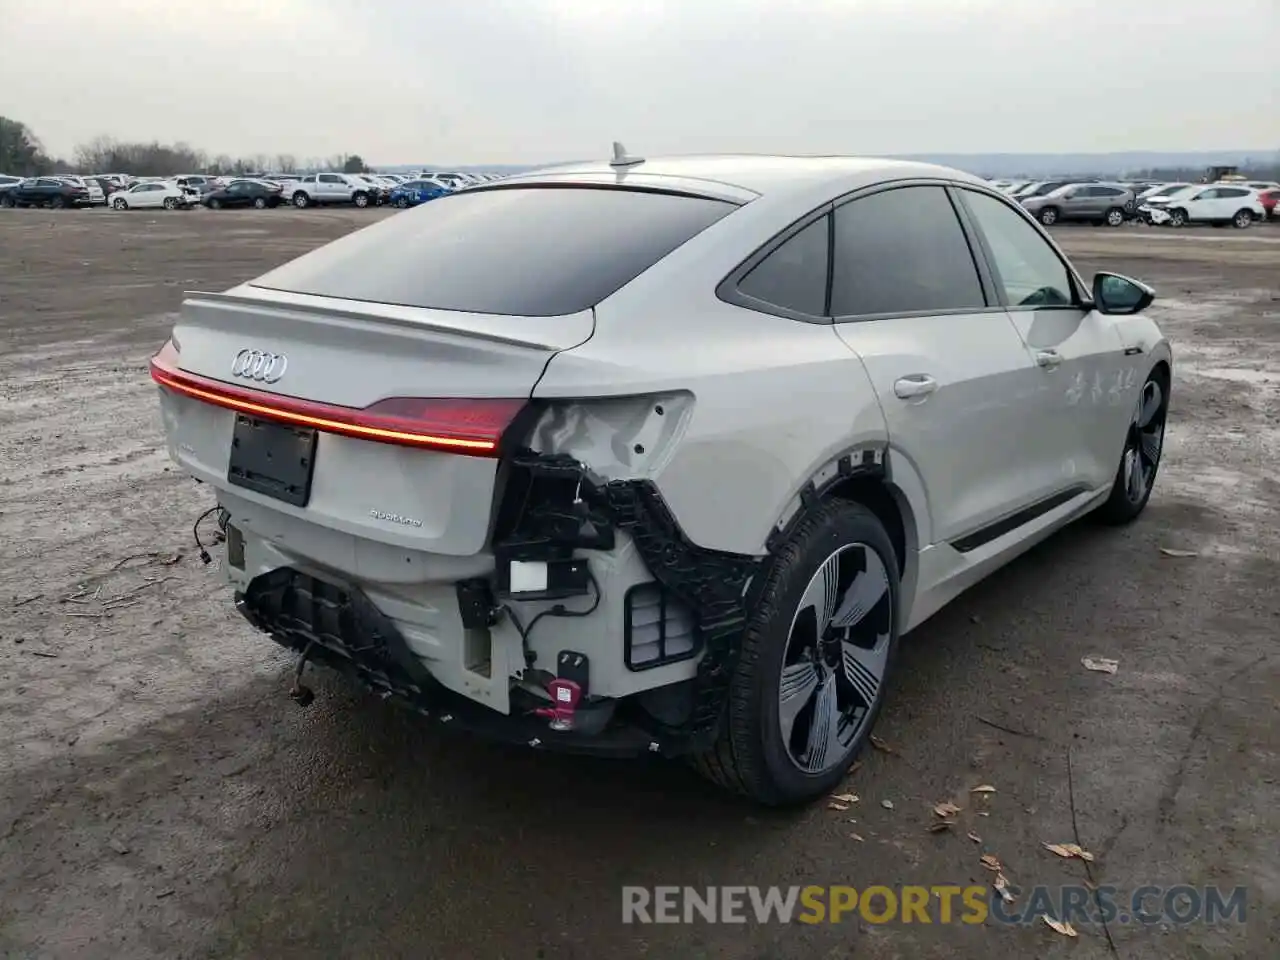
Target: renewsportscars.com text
{"points": [[944, 904]]}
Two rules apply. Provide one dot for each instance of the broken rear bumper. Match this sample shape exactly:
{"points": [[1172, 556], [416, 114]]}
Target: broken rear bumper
{"points": [[340, 628]]}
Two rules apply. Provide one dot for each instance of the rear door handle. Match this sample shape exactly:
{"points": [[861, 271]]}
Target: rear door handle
{"points": [[1048, 358], [916, 385]]}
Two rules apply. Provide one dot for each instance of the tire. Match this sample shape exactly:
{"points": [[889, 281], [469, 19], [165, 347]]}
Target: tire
{"points": [[1177, 217], [1242, 220], [7, 201], [360, 200], [402, 203], [259, 203], [301, 200], [120, 203], [1114, 217], [58, 203], [171, 203], [215, 203], [788, 669], [1049, 216], [1140, 459]]}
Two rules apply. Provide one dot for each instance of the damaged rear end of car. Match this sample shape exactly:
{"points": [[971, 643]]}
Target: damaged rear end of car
{"points": [[401, 503]]}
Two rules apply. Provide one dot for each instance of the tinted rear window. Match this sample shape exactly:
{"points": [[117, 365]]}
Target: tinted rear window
{"points": [[531, 251]]}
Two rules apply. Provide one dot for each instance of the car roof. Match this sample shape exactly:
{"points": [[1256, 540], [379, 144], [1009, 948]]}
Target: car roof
{"points": [[763, 175]]}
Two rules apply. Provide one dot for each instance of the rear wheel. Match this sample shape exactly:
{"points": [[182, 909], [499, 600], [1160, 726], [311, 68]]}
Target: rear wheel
{"points": [[171, 203], [57, 203], [1140, 460], [260, 203], [120, 203], [215, 203], [402, 202], [1049, 216], [815, 656], [301, 200], [360, 199], [1242, 219], [1114, 217], [1177, 217]]}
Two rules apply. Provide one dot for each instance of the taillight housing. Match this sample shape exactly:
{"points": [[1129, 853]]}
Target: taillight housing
{"points": [[470, 426]]}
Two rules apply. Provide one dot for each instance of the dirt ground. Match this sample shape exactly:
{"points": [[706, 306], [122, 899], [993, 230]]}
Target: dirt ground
{"points": [[161, 797]]}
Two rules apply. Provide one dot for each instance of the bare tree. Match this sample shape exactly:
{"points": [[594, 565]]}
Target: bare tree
{"points": [[286, 163]]}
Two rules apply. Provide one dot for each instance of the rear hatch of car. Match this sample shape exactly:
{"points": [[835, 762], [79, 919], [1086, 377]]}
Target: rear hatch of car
{"points": [[371, 386], [384, 424]]}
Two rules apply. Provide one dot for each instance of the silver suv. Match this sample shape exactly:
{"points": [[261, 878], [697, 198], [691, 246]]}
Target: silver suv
{"points": [[1099, 203]]}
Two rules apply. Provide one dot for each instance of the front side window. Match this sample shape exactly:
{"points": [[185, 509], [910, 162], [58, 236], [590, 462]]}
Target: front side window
{"points": [[902, 251], [794, 275], [1026, 267]]}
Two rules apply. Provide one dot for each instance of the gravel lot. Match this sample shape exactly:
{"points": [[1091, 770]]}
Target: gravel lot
{"points": [[161, 797]]}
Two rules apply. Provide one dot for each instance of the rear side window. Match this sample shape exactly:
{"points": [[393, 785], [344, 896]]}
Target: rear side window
{"points": [[902, 251], [794, 275], [528, 251]]}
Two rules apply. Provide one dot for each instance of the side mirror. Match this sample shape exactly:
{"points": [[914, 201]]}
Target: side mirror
{"points": [[1120, 295]]}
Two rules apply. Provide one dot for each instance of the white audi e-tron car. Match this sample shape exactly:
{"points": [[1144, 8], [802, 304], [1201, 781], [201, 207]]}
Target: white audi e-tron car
{"points": [[660, 455]]}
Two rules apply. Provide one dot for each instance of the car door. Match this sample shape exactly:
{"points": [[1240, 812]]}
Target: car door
{"points": [[1083, 376], [331, 187], [947, 364], [1199, 206], [151, 195]]}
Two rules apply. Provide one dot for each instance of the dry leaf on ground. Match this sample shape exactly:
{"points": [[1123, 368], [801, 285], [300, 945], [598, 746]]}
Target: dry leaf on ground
{"points": [[1069, 850], [881, 745], [991, 862], [1001, 884], [974, 837], [887, 804], [984, 788], [1173, 552], [845, 797], [1100, 664], [837, 806], [939, 825], [946, 809], [854, 836], [1066, 929]]}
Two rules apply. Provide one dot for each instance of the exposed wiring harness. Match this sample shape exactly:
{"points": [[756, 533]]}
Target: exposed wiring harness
{"points": [[223, 519], [559, 610]]}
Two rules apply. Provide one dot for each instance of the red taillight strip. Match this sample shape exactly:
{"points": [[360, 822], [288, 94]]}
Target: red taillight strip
{"points": [[330, 418]]}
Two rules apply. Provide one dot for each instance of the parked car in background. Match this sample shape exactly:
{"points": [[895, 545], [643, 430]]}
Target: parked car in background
{"points": [[51, 192], [199, 182], [328, 188], [97, 196], [106, 184], [244, 193], [415, 192], [1217, 204], [151, 196], [1081, 202], [1269, 200], [379, 189], [1041, 188], [6, 182], [1161, 190]]}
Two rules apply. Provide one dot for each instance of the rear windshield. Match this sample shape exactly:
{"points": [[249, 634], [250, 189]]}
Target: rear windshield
{"points": [[528, 251]]}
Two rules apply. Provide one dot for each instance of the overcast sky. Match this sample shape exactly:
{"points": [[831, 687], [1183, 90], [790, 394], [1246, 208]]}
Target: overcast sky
{"points": [[528, 81]]}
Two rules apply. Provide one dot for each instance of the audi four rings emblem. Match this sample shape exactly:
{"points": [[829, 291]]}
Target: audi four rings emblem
{"points": [[259, 365]]}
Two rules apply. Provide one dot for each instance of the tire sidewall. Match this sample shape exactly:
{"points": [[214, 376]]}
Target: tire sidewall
{"points": [[834, 525]]}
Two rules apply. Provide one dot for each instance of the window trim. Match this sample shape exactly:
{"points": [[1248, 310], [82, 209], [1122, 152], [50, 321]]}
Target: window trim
{"points": [[1080, 300], [728, 291]]}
